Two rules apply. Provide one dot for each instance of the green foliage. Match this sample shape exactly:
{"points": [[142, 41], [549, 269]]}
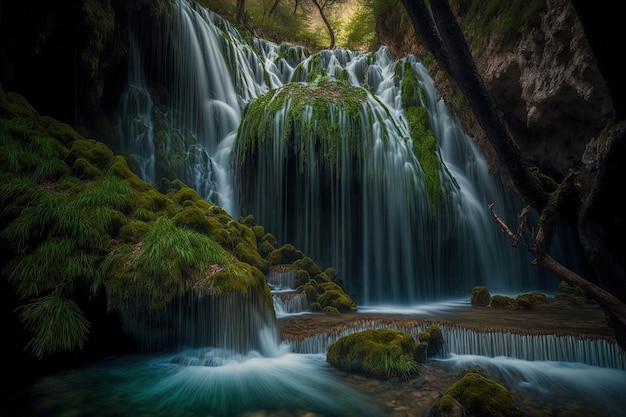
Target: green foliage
{"points": [[171, 253], [56, 323], [380, 353], [360, 31], [482, 20], [424, 142], [168, 261]]}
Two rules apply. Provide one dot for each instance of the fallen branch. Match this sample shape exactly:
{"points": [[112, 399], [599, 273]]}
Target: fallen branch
{"points": [[513, 237], [612, 303]]}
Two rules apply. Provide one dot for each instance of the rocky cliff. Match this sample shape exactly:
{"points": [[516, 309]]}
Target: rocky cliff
{"points": [[545, 82]]}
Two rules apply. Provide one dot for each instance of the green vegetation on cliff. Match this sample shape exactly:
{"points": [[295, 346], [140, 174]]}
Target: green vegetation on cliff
{"points": [[77, 223], [315, 116], [424, 142]]}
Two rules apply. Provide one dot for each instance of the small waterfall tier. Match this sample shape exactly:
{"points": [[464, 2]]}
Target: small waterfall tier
{"points": [[462, 341], [286, 299]]}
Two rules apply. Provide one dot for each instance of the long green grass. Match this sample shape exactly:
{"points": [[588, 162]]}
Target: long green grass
{"points": [[56, 323]]}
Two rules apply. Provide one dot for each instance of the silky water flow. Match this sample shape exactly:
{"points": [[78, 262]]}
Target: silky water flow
{"points": [[394, 264]]}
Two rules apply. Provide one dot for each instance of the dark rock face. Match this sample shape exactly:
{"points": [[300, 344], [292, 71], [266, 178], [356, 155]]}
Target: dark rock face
{"points": [[551, 91], [548, 87]]}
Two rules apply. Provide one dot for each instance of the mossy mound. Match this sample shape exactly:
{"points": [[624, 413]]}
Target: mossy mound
{"points": [[501, 301], [477, 396], [323, 289], [78, 223], [326, 99], [480, 297], [379, 353]]}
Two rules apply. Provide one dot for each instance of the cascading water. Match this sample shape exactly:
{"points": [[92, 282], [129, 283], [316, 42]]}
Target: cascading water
{"points": [[190, 80], [374, 222]]}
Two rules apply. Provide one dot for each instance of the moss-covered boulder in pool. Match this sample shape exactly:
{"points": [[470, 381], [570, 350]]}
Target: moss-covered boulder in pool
{"points": [[480, 297], [478, 396], [379, 353]]}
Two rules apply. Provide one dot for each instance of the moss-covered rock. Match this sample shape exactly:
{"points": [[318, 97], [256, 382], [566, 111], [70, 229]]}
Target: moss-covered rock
{"points": [[301, 278], [379, 353], [307, 264], [249, 255], [478, 396], [501, 301], [265, 248], [435, 341], [522, 302], [286, 254], [338, 299], [480, 297]]}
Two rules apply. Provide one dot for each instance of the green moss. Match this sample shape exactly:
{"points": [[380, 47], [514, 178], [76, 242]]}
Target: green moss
{"points": [[338, 299], [481, 397], [484, 20], [61, 131], [327, 100], [331, 311], [301, 278], [286, 254], [185, 194], [310, 289], [249, 255], [119, 167], [329, 286], [333, 274], [307, 264], [134, 231], [193, 218], [436, 341], [522, 302], [480, 297], [537, 298], [270, 238], [16, 108], [380, 353], [249, 220], [96, 153], [85, 170], [265, 248], [259, 232], [168, 261], [501, 301], [424, 142]]}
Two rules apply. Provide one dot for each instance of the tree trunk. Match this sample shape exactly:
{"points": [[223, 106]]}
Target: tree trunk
{"points": [[241, 12], [331, 33]]}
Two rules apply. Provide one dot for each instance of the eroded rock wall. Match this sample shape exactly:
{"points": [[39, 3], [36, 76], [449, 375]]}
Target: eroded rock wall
{"points": [[547, 85]]}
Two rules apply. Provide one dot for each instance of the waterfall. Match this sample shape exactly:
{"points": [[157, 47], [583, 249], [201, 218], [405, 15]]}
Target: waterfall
{"points": [[373, 222], [491, 344]]}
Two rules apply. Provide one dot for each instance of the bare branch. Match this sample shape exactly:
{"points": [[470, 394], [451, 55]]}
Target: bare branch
{"points": [[513, 237]]}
